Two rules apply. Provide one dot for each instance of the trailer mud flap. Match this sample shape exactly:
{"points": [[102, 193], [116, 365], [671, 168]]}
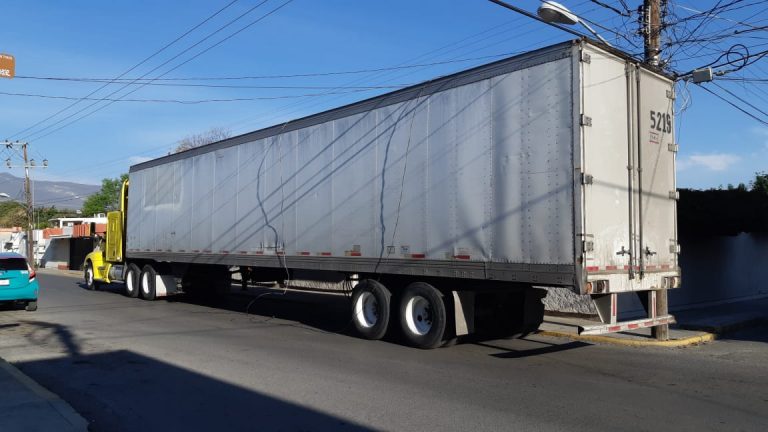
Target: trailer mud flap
{"points": [[498, 313]]}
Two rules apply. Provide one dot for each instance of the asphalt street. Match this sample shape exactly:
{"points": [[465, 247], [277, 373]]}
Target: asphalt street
{"points": [[289, 362]]}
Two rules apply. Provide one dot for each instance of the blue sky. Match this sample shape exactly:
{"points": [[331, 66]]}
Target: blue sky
{"points": [[90, 39]]}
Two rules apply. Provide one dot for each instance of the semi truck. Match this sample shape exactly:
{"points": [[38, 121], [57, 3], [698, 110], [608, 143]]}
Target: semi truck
{"points": [[446, 205]]}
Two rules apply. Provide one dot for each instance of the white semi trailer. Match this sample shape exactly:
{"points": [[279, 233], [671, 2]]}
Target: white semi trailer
{"points": [[446, 202]]}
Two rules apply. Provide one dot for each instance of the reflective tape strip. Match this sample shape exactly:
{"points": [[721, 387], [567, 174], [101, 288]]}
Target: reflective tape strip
{"points": [[418, 255], [325, 254], [626, 325]]}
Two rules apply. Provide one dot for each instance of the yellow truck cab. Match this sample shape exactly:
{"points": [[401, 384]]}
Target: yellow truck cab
{"points": [[105, 264]]}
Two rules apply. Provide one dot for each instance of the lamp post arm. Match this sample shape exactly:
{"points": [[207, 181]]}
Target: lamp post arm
{"points": [[591, 30]]}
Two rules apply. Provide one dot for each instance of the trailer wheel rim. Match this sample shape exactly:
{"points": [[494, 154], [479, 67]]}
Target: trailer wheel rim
{"points": [[418, 315], [129, 282], [145, 283], [367, 310]]}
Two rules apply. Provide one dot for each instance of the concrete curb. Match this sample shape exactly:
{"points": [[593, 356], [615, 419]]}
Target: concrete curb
{"points": [[64, 409], [675, 343], [726, 328]]}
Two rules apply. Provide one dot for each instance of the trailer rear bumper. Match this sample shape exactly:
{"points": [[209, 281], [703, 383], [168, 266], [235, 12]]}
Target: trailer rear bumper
{"points": [[626, 325]]}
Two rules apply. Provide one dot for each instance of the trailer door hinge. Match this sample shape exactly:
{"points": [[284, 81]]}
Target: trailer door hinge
{"points": [[674, 248], [588, 245], [586, 179], [675, 195], [671, 94], [674, 148], [586, 120], [585, 57]]}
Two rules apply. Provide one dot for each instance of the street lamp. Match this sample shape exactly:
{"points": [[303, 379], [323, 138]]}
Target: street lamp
{"points": [[553, 12]]}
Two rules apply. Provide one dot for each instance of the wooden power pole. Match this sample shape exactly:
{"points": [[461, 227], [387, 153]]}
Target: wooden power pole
{"points": [[652, 30], [652, 40], [28, 194]]}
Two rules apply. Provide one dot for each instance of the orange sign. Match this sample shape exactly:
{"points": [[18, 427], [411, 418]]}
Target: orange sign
{"points": [[7, 66]]}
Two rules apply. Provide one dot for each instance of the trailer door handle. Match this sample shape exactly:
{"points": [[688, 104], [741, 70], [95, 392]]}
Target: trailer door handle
{"points": [[649, 252]]}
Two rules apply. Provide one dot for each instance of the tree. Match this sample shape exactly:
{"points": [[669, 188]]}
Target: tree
{"points": [[13, 214], [107, 199], [43, 215], [196, 140], [760, 184]]}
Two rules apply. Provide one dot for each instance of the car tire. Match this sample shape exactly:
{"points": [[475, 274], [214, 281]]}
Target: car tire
{"points": [[31, 306], [371, 309], [132, 278], [422, 315], [147, 283]]}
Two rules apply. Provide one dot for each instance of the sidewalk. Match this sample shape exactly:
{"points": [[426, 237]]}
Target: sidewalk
{"points": [[25, 406], [694, 326]]}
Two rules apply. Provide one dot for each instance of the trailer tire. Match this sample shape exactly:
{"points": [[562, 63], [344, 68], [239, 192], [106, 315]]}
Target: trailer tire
{"points": [[147, 282], [371, 309], [90, 277], [132, 280], [422, 315]]}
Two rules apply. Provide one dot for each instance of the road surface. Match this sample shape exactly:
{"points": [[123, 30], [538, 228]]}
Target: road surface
{"points": [[290, 363]]}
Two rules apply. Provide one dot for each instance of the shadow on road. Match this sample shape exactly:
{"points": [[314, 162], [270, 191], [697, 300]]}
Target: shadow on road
{"points": [[311, 310], [125, 391], [548, 348]]}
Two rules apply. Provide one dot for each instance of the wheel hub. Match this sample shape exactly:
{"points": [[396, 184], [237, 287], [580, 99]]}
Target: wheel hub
{"points": [[418, 315], [367, 310]]}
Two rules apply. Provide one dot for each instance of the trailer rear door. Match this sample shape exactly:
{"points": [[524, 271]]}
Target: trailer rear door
{"points": [[656, 209], [606, 151]]}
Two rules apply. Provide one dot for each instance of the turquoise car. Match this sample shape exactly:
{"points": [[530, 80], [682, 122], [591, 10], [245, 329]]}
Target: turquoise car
{"points": [[18, 282]]}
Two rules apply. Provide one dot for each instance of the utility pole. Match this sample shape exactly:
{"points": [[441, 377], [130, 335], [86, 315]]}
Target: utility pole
{"points": [[28, 163], [651, 29], [28, 194]]}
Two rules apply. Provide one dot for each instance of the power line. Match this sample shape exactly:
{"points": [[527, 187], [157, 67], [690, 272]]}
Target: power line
{"points": [[259, 77], [177, 66], [734, 105], [195, 101], [132, 68]]}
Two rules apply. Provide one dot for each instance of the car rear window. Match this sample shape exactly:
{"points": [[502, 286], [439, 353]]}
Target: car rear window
{"points": [[13, 264]]}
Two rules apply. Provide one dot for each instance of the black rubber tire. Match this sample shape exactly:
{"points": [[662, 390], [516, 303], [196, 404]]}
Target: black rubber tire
{"points": [[374, 324], [431, 320], [132, 278], [147, 283], [31, 306], [90, 277]]}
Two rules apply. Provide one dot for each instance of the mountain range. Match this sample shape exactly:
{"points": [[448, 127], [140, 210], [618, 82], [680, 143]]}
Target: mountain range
{"points": [[65, 195]]}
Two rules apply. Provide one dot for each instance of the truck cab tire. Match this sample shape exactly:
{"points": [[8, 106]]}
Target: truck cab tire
{"points": [[147, 283], [371, 309], [132, 278], [422, 315], [90, 277]]}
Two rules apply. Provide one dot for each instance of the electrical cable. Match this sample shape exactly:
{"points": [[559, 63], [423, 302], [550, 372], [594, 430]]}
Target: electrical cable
{"points": [[161, 65], [133, 67], [734, 105]]}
